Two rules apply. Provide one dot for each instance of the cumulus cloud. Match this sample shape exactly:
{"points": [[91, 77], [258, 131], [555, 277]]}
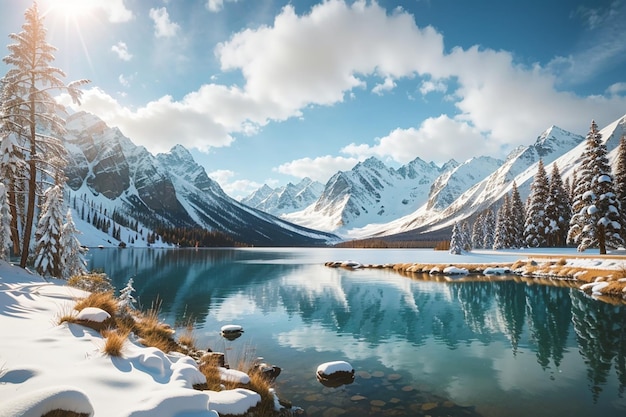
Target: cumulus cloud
{"points": [[236, 188], [216, 5], [318, 57], [163, 26], [436, 139], [162, 123], [121, 49], [117, 11], [319, 169]]}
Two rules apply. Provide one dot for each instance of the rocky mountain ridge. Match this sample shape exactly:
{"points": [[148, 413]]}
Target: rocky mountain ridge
{"points": [[129, 185]]}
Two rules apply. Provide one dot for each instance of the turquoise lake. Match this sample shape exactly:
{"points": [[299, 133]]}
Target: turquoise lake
{"points": [[419, 347]]}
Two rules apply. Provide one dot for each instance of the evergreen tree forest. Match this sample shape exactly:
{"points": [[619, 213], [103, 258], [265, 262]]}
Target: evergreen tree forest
{"points": [[588, 211]]}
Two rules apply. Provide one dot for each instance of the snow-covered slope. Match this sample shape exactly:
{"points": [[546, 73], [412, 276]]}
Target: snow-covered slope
{"points": [[287, 199], [118, 182], [369, 193]]}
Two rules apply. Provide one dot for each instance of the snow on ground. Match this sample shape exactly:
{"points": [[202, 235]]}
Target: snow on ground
{"points": [[45, 366]]}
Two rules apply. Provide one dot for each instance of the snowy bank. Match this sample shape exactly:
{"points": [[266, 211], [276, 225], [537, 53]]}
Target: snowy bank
{"points": [[46, 366]]}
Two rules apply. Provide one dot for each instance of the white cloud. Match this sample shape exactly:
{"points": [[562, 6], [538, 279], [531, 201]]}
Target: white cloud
{"points": [[163, 27], [616, 89], [388, 85], [429, 86], [121, 49], [319, 169], [437, 139], [234, 188], [117, 11], [162, 123], [319, 57], [125, 81], [216, 5]]}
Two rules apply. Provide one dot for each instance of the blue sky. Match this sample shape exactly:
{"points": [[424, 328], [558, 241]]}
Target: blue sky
{"points": [[271, 91]]}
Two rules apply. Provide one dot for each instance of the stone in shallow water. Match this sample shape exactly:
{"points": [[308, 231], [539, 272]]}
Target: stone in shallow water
{"points": [[407, 388], [377, 403], [448, 404], [378, 374], [358, 398], [394, 377], [364, 374], [333, 412], [428, 406]]}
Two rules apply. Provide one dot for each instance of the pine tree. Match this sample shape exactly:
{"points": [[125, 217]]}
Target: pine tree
{"points": [[477, 232], [558, 210], [456, 244], [28, 109], [518, 215], [48, 248], [535, 226], [126, 301], [72, 261], [503, 218], [489, 228], [620, 182], [595, 209], [466, 237], [5, 223]]}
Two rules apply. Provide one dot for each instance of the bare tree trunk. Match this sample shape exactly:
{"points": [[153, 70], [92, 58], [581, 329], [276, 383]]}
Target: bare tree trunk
{"points": [[602, 239], [32, 183], [15, 234]]}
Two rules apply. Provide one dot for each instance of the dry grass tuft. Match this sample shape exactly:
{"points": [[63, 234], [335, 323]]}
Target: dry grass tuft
{"points": [[187, 339], [154, 333], [103, 300], [114, 342], [92, 282]]}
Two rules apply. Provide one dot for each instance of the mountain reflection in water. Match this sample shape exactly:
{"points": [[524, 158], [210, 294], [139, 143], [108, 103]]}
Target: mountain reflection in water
{"points": [[509, 349]]}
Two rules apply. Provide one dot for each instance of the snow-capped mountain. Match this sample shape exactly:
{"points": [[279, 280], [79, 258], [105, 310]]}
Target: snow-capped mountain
{"points": [[287, 199], [554, 145], [128, 184], [369, 193]]}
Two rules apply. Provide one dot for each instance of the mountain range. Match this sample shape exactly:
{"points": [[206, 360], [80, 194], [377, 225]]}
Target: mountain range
{"points": [[135, 190], [421, 201], [128, 186]]}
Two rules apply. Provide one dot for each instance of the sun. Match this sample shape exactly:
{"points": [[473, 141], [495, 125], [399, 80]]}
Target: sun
{"points": [[73, 9]]}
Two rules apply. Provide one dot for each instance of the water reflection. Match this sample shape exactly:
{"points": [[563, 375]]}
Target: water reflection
{"points": [[474, 341]]}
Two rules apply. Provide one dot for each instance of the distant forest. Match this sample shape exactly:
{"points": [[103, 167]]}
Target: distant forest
{"points": [[381, 244], [191, 237]]}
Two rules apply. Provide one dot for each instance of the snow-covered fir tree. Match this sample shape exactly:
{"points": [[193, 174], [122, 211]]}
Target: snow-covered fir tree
{"points": [[5, 223], [29, 108], [466, 236], [596, 216], [558, 210], [477, 232], [72, 252], [535, 225], [502, 238], [518, 215], [126, 301], [620, 182], [489, 228], [48, 261], [456, 241]]}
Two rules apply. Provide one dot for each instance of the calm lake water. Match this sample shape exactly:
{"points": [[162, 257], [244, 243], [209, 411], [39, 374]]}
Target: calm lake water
{"points": [[419, 347]]}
